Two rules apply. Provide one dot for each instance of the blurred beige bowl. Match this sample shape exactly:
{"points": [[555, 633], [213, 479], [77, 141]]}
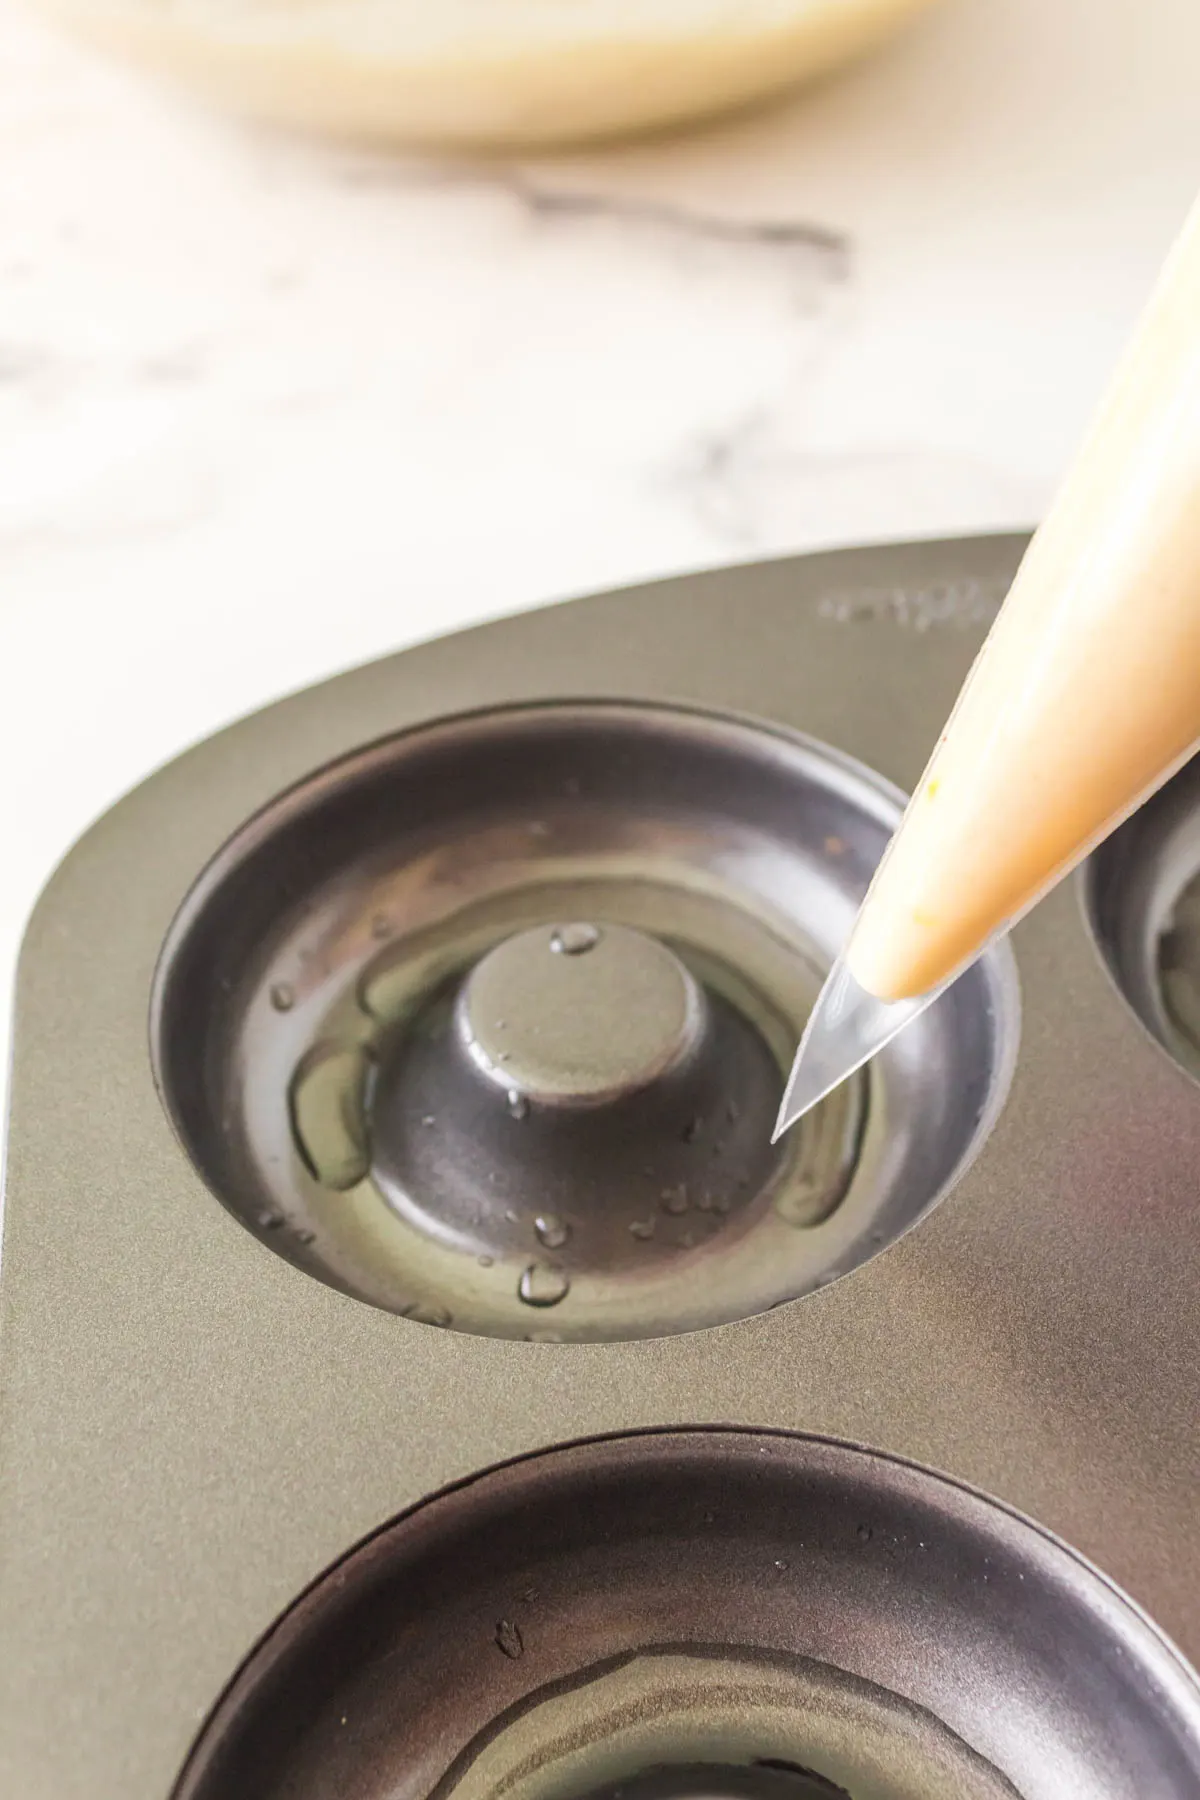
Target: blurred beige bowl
{"points": [[487, 73]]}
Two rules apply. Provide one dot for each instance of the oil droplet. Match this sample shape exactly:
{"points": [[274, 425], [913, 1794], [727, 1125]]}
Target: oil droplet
{"points": [[865, 1533], [551, 1231], [543, 1337], [283, 996], [574, 940], [270, 1221], [642, 1228], [428, 1313], [518, 1105], [306, 1237], [485, 1262], [328, 1107], [429, 1119], [781, 1564], [835, 846], [543, 1285], [509, 1640], [674, 1200]]}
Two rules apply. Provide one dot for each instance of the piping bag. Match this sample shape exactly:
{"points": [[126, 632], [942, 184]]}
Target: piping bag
{"points": [[1084, 699]]}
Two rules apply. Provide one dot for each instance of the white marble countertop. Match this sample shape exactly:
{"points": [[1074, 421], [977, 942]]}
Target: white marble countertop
{"points": [[268, 409]]}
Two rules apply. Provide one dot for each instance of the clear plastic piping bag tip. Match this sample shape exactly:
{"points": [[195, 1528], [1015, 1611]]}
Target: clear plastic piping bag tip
{"points": [[846, 1028]]}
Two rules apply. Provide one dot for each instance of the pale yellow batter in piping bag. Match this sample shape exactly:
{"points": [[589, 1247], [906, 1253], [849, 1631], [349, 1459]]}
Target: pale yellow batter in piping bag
{"points": [[1084, 699]]}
